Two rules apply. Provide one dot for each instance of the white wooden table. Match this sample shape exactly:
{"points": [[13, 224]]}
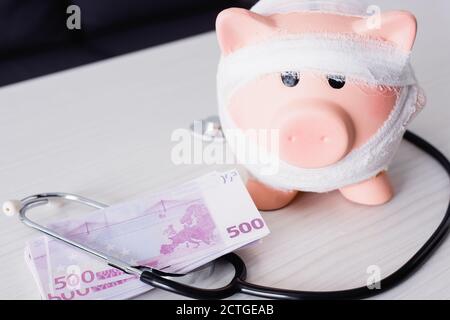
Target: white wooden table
{"points": [[103, 131]]}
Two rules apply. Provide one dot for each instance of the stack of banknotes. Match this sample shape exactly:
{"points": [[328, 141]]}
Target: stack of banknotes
{"points": [[176, 230]]}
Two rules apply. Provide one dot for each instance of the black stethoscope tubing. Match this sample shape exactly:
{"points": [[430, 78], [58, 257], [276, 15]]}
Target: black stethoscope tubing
{"points": [[239, 285]]}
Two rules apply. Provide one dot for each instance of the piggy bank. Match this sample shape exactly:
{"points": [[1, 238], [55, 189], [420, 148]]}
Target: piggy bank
{"points": [[331, 88]]}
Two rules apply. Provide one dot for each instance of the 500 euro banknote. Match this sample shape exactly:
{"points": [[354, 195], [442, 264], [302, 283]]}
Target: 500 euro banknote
{"points": [[175, 230]]}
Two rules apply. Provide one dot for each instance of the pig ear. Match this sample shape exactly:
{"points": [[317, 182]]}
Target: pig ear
{"points": [[399, 27], [237, 27]]}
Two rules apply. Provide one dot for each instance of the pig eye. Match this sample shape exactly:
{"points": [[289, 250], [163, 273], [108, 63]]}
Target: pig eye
{"points": [[336, 81], [290, 78]]}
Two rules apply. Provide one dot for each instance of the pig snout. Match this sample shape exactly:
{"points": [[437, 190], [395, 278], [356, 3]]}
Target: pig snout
{"points": [[314, 135]]}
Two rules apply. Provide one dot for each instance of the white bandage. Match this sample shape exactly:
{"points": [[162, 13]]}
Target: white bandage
{"points": [[344, 7], [358, 58]]}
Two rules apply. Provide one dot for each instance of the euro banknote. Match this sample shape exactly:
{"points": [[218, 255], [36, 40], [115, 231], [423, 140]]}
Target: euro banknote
{"points": [[175, 230]]}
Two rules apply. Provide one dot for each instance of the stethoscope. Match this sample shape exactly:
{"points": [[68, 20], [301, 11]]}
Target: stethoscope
{"points": [[238, 284]]}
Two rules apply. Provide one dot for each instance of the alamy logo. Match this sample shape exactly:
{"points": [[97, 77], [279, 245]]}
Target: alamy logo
{"points": [[374, 19], [374, 279], [73, 277], [248, 147], [73, 22]]}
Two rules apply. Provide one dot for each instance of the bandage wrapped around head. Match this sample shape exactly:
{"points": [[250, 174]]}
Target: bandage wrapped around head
{"points": [[322, 39]]}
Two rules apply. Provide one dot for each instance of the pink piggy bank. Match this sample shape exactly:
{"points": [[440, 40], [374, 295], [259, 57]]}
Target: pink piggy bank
{"points": [[334, 87]]}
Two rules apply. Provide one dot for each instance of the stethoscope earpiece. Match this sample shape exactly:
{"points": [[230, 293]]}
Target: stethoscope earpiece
{"points": [[12, 207]]}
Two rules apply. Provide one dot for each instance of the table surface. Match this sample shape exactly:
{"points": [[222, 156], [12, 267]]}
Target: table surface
{"points": [[103, 131]]}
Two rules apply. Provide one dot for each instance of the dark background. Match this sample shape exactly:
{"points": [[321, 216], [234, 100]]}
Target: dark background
{"points": [[34, 39]]}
